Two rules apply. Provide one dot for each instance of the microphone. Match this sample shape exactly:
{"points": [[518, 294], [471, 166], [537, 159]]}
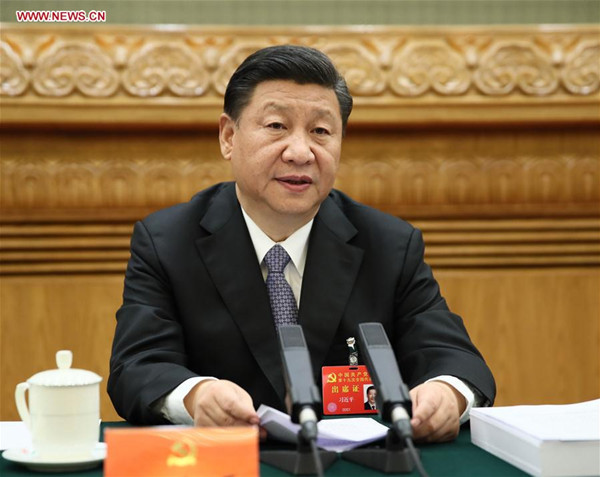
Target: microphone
{"points": [[392, 398], [299, 380]]}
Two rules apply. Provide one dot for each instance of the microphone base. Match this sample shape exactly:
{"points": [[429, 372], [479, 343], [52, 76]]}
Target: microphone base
{"points": [[383, 460], [395, 458], [296, 462]]}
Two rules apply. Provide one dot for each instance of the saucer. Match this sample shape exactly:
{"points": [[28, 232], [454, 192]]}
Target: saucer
{"points": [[28, 458]]}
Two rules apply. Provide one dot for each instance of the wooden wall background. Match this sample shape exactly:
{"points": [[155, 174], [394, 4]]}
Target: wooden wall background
{"points": [[486, 138]]}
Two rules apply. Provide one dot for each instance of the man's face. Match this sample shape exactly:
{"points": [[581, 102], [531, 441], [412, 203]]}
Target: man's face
{"points": [[371, 395], [284, 150]]}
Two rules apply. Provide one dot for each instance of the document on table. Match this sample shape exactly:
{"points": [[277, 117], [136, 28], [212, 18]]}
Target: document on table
{"points": [[547, 440], [563, 422], [333, 434]]}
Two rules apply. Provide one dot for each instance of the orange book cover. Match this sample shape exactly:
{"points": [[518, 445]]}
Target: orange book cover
{"points": [[174, 451]]}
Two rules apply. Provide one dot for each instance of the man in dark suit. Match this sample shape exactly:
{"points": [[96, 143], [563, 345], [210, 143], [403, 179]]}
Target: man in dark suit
{"points": [[370, 404], [196, 338]]}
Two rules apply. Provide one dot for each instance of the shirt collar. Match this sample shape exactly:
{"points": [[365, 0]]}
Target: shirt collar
{"points": [[296, 245]]}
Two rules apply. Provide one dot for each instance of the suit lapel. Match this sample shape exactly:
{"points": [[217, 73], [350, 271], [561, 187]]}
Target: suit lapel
{"points": [[231, 261], [331, 269]]}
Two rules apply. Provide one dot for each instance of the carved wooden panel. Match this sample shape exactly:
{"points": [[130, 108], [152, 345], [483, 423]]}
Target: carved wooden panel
{"points": [[486, 139], [453, 173], [154, 68]]}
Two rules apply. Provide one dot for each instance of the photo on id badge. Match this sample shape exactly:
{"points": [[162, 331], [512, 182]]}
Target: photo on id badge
{"points": [[370, 397]]}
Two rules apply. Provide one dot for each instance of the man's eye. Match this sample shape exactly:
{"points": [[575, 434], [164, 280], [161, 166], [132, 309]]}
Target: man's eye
{"points": [[321, 131], [275, 126]]}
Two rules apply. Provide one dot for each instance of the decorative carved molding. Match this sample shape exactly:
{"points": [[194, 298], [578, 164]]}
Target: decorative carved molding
{"points": [[103, 66], [100, 181], [120, 183], [360, 68], [429, 66], [75, 67], [516, 66], [582, 72], [14, 77], [514, 173], [161, 68]]}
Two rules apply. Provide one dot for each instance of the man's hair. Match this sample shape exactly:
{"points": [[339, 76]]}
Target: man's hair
{"points": [[300, 64], [369, 388]]}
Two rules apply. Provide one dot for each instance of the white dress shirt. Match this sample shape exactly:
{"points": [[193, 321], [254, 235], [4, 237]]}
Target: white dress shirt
{"points": [[296, 245]]}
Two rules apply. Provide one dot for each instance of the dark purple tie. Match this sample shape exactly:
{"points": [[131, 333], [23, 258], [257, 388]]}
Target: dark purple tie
{"points": [[283, 303]]}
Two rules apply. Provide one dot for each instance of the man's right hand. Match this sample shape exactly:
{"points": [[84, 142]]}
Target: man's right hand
{"points": [[220, 403]]}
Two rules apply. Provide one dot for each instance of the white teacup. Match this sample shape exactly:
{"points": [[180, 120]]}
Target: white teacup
{"points": [[64, 410]]}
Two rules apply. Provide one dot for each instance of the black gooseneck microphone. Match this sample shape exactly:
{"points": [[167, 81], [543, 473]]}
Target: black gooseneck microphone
{"points": [[393, 398], [394, 404], [299, 380], [306, 408]]}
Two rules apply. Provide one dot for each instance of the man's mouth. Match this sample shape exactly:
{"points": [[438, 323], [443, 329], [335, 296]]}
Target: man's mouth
{"points": [[295, 180]]}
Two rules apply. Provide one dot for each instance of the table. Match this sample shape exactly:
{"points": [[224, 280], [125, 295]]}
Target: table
{"points": [[459, 458]]}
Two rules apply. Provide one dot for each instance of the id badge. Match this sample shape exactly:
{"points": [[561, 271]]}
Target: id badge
{"points": [[346, 390]]}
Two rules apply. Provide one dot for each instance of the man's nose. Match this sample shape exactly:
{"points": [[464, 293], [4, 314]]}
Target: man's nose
{"points": [[298, 149]]}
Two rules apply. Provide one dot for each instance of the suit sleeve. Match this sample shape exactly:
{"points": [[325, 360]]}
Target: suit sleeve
{"points": [[148, 355], [429, 339]]}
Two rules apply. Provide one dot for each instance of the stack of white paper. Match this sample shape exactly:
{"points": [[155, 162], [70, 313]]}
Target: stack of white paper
{"points": [[549, 441], [333, 434]]}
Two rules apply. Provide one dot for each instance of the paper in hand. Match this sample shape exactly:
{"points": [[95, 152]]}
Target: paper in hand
{"points": [[337, 435]]}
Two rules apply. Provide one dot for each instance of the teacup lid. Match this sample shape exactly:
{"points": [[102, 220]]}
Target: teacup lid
{"points": [[64, 375]]}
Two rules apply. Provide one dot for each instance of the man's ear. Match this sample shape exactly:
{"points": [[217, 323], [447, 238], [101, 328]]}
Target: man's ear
{"points": [[226, 133]]}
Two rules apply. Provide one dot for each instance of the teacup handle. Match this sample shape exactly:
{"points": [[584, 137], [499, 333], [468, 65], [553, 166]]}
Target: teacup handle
{"points": [[21, 404]]}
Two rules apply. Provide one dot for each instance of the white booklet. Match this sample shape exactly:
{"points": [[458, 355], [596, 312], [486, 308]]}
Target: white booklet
{"points": [[548, 441], [333, 434]]}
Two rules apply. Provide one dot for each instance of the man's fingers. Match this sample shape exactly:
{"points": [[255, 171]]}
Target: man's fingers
{"points": [[208, 411], [212, 414], [447, 430], [440, 428], [426, 428], [435, 414], [238, 406], [223, 403], [425, 405]]}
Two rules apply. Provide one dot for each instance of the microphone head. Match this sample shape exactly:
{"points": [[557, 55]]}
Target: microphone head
{"points": [[373, 334], [291, 336], [383, 368], [298, 373]]}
